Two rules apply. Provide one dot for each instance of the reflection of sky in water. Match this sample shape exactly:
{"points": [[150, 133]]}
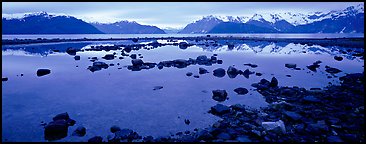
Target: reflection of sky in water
{"points": [[121, 97]]}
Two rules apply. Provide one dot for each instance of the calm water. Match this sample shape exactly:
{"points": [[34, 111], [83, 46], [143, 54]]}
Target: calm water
{"points": [[105, 36], [126, 98]]}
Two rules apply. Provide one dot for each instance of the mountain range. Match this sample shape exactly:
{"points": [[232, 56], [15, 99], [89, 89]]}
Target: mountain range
{"points": [[349, 20]]}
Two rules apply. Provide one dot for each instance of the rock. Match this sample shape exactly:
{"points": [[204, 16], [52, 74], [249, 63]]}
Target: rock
{"points": [[278, 125], [246, 73], [220, 109], [135, 40], [133, 56], [290, 65], [137, 62], [311, 99], [188, 138], [332, 70], [251, 65], [183, 45], [338, 58], [258, 74], [202, 60], [96, 139], [232, 72], [127, 49], [180, 63], [123, 134], [224, 136], [77, 57], [219, 95], [4, 79], [243, 139], [56, 130], [189, 74], [187, 122], [274, 82], [220, 72], [148, 139], [241, 91], [108, 57], [219, 61], [71, 51], [202, 70], [293, 115], [115, 129], [42, 72], [213, 58], [98, 66], [157, 87], [80, 131], [61, 116], [317, 128], [196, 76], [203, 135]]}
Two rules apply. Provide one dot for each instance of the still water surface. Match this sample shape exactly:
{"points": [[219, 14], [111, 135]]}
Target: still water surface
{"points": [[98, 100]]}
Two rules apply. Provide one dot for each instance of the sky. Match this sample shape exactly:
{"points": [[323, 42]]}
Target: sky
{"points": [[165, 14]]}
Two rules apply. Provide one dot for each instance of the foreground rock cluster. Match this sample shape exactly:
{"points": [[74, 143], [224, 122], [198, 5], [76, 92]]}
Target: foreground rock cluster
{"points": [[332, 114]]}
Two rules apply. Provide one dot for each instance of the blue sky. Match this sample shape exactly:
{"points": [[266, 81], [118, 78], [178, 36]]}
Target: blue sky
{"points": [[166, 14]]}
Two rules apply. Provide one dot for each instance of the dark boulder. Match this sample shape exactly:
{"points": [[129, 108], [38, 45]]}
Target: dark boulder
{"points": [[180, 63], [80, 131], [137, 62], [133, 56], [115, 129], [202, 70], [220, 109], [246, 73], [4, 79], [241, 91], [56, 130], [219, 62], [338, 58], [157, 87], [220, 72], [187, 122], [290, 65], [61, 116], [232, 72], [77, 57], [274, 82], [251, 65], [189, 74], [108, 57], [123, 134], [293, 115], [183, 45], [71, 51], [311, 99], [42, 72], [135, 40], [203, 135], [219, 95]]}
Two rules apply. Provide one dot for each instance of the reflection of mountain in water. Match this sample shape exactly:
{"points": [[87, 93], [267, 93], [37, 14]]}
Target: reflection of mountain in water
{"points": [[257, 47], [284, 48], [43, 49]]}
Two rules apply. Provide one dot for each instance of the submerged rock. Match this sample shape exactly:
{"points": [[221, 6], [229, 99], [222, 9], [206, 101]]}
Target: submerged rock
{"points": [[220, 109], [241, 91], [71, 51], [115, 129], [42, 72], [219, 95], [251, 65], [137, 62], [332, 70], [290, 65], [108, 56], [80, 131], [56, 130], [202, 70], [220, 72], [189, 74]]}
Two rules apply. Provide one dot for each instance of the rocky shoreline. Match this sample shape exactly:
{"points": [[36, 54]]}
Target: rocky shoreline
{"points": [[332, 114]]}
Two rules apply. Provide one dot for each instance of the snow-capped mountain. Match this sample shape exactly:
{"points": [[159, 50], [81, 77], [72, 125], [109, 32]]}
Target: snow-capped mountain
{"points": [[43, 23], [127, 27], [349, 20]]}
